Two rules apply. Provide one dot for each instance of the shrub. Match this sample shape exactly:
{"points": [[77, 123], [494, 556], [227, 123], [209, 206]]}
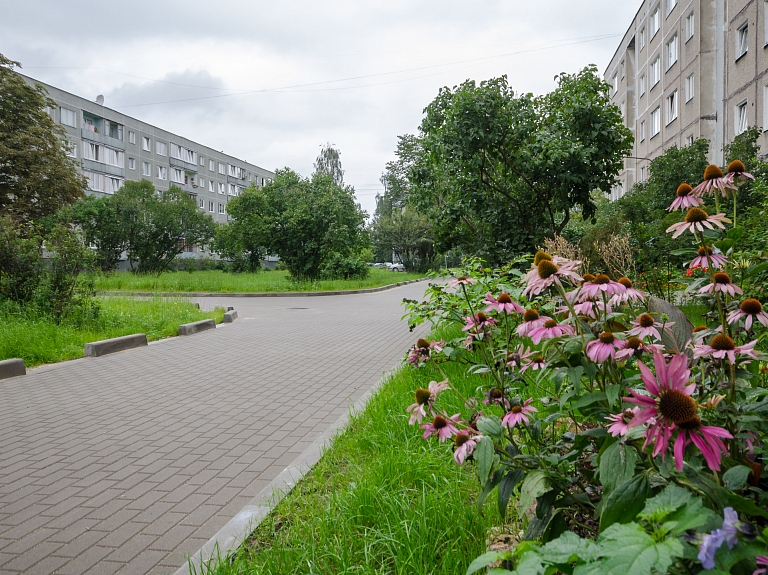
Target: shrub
{"points": [[339, 267]]}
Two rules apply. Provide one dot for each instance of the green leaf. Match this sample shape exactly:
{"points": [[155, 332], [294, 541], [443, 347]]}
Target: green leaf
{"points": [[536, 483], [726, 558], [506, 486], [744, 505], [490, 425], [486, 559], [483, 455], [589, 399], [625, 502], [487, 488], [629, 550], [756, 269], [569, 547], [612, 393], [617, 465], [670, 499], [736, 477]]}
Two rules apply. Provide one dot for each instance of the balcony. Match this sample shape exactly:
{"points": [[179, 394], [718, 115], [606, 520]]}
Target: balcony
{"points": [[238, 181], [100, 167], [182, 164], [102, 139]]}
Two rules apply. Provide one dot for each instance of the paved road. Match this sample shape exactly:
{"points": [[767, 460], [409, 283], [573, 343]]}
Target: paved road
{"points": [[125, 463]]}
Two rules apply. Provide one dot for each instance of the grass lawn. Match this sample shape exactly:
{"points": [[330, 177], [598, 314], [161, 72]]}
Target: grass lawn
{"points": [[38, 340], [221, 282], [381, 500], [695, 313]]}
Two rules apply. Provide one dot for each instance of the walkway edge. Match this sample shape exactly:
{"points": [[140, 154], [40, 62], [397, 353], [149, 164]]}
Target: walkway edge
{"points": [[259, 294], [232, 535]]}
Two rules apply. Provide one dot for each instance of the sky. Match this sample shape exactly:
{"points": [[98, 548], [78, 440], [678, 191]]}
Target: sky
{"points": [[271, 82]]}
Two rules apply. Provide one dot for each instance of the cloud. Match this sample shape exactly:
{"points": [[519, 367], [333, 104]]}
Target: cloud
{"points": [[294, 60]]}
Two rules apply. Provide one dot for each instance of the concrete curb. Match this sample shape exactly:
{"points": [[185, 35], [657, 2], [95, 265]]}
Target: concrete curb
{"points": [[230, 316], [12, 368], [260, 294], [231, 536], [197, 326], [105, 346]]}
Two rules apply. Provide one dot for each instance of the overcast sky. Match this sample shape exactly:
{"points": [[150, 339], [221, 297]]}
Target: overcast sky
{"points": [[270, 82]]}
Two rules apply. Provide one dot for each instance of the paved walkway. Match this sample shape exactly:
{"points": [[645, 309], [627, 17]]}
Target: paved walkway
{"points": [[127, 462]]}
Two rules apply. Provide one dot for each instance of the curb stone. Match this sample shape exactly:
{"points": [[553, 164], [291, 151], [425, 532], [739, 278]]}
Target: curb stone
{"points": [[197, 326], [231, 536], [12, 368], [115, 344]]}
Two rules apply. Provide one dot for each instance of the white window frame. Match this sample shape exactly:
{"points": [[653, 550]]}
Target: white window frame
{"points": [[210, 187], [222, 169], [211, 207], [656, 122], [202, 161], [162, 173], [671, 106], [66, 112], [131, 137], [161, 148], [655, 71], [672, 51], [201, 203], [671, 6], [200, 182], [177, 175], [765, 105], [742, 40], [654, 22], [741, 117], [690, 26], [642, 130], [221, 208], [222, 188], [690, 87], [642, 173], [641, 83], [689, 140], [232, 191], [131, 163], [641, 40], [146, 169], [146, 144], [211, 166], [622, 69]]}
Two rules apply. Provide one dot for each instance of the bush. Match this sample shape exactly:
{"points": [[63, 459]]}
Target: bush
{"points": [[339, 267], [20, 263]]}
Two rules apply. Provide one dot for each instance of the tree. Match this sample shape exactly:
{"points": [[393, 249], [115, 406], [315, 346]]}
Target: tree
{"points": [[409, 236], [37, 178], [304, 221], [157, 225], [245, 239], [329, 163], [497, 172], [99, 220]]}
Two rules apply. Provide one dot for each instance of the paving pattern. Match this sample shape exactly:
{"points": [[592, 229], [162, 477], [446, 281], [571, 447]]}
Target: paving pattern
{"points": [[128, 462]]}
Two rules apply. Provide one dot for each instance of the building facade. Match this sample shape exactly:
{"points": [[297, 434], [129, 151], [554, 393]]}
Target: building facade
{"points": [[111, 148], [689, 69]]}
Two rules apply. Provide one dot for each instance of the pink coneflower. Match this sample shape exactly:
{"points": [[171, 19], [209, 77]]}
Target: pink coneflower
{"points": [[737, 173], [464, 445], [620, 422], [699, 332], [536, 363], [516, 359], [635, 347], [672, 408], [696, 220], [422, 351], [495, 395], [442, 426], [646, 326], [750, 309], [504, 304], [602, 284], [714, 180], [722, 346], [722, 284], [605, 346], [531, 320], [549, 330], [518, 414], [590, 309], [763, 561], [685, 199], [631, 293], [461, 280], [705, 258], [478, 322], [425, 398], [548, 272]]}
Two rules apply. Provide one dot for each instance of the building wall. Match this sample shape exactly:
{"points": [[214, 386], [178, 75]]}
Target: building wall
{"points": [[197, 179], [699, 89]]}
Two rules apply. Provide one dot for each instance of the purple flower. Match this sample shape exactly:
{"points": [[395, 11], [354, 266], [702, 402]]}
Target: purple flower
{"points": [[722, 284], [714, 180], [634, 346], [535, 364], [590, 309], [631, 294], [696, 220], [605, 346], [602, 284], [442, 426], [464, 444], [504, 304], [461, 280], [531, 320], [750, 309], [516, 359], [518, 414], [730, 527], [761, 560], [722, 346], [425, 398], [478, 322], [496, 395], [549, 272], [549, 330], [706, 258], [711, 542], [685, 199], [737, 173], [620, 422], [422, 351], [646, 326]]}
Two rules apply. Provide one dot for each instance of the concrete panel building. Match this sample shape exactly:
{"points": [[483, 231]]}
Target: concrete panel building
{"points": [[111, 148], [687, 69]]}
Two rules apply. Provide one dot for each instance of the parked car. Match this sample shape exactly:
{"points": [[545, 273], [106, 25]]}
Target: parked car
{"points": [[397, 268]]}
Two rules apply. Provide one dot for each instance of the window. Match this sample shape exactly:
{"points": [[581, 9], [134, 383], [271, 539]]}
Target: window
{"points": [[623, 110], [201, 203], [232, 189], [177, 175], [113, 130], [765, 107], [103, 183], [201, 183], [68, 118], [210, 165], [642, 174], [221, 208], [210, 186], [742, 38], [161, 148], [672, 107], [641, 85], [689, 88], [222, 188], [655, 71], [114, 157], [615, 83], [146, 144], [622, 69], [641, 39], [112, 184], [210, 207], [689, 140], [202, 161], [655, 22], [741, 118], [162, 173], [222, 169], [689, 26], [146, 169], [132, 137], [671, 6], [671, 51], [131, 164], [70, 149], [642, 130], [100, 153], [183, 154], [655, 122]]}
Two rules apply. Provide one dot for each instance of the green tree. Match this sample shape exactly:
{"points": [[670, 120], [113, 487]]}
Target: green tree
{"points": [[305, 221], [157, 225], [497, 172], [21, 264], [409, 236], [36, 176], [329, 163], [99, 220], [245, 239]]}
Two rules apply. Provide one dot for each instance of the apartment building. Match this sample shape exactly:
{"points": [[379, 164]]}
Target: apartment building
{"points": [[689, 69], [111, 148]]}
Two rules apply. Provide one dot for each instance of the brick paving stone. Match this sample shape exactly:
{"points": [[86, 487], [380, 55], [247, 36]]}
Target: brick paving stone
{"points": [[124, 463]]}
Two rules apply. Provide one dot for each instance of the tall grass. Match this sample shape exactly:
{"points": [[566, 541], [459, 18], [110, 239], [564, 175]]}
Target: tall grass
{"points": [[221, 282], [37, 339], [381, 499]]}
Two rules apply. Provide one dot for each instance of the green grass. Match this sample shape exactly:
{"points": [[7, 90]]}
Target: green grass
{"points": [[38, 340], [381, 500], [695, 313], [221, 282]]}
